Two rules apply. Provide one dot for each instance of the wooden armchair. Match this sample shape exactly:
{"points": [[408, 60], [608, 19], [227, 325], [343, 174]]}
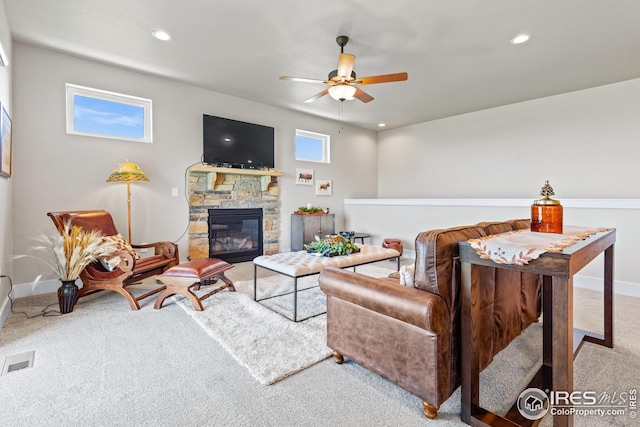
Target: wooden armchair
{"points": [[95, 277]]}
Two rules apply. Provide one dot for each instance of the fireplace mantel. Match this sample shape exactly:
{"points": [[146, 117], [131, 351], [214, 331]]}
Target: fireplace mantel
{"points": [[234, 171], [216, 176]]}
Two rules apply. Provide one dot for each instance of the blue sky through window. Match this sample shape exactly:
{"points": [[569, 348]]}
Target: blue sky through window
{"points": [[99, 116], [308, 148]]}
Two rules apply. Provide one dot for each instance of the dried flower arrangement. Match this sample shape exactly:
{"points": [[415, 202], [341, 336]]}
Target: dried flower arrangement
{"points": [[73, 249]]}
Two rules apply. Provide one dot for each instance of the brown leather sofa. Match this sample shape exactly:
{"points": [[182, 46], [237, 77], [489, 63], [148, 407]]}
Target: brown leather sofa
{"points": [[410, 335]]}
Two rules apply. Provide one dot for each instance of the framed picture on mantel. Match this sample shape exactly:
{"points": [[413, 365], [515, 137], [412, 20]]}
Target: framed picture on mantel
{"points": [[5, 142]]}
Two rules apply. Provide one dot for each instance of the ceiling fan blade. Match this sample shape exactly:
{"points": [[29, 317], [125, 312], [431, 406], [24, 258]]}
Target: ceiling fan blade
{"points": [[384, 78], [318, 96], [301, 79], [345, 66], [362, 95]]}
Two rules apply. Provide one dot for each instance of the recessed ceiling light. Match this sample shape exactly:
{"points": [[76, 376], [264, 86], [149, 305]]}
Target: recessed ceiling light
{"points": [[381, 125], [520, 38], [161, 35]]}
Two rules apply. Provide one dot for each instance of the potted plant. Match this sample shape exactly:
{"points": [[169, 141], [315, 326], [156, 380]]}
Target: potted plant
{"points": [[343, 248], [317, 246], [332, 246], [309, 210], [72, 250]]}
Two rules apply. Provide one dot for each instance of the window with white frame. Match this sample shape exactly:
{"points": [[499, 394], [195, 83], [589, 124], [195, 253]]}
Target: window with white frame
{"points": [[95, 112], [312, 147]]}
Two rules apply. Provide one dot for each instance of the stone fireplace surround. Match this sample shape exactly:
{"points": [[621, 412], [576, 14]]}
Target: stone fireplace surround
{"points": [[227, 188]]}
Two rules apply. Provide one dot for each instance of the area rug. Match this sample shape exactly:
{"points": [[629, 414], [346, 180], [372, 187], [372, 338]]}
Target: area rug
{"points": [[267, 344]]}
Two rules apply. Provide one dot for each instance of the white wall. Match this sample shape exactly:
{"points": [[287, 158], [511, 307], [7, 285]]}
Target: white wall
{"points": [[57, 171], [585, 143], [6, 184]]}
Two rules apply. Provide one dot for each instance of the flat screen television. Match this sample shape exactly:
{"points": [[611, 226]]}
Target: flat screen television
{"points": [[231, 143]]}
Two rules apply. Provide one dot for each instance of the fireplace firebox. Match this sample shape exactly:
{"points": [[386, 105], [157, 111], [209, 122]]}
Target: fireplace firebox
{"points": [[235, 235]]}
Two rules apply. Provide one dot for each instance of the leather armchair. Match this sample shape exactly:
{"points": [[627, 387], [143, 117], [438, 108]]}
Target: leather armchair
{"points": [[410, 335], [95, 277]]}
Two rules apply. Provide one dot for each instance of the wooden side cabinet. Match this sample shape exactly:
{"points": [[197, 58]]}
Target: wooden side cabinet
{"points": [[305, 228]]}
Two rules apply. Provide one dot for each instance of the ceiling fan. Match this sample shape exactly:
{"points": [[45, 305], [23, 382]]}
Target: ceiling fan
{"points": [[343, 80]]}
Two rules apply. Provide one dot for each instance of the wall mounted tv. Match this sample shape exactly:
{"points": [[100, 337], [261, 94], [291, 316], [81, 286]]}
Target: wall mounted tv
{"points": [[230, 143]]}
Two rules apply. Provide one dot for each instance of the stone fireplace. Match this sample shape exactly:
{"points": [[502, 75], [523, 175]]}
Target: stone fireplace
{"points": [[215, 188]]}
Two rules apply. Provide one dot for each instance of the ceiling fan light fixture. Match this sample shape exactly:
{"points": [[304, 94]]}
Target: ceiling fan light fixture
{"points": [[342, 92]]}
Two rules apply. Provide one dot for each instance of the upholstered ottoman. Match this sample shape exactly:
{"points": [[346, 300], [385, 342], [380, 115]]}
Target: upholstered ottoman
{"points": [[182, 278]]}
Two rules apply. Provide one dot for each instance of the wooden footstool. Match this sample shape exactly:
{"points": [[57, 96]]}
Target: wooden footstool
{"points": [[182, 278]]}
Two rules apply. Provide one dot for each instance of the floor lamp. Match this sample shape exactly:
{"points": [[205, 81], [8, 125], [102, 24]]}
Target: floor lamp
{"points": [[128, 172]]}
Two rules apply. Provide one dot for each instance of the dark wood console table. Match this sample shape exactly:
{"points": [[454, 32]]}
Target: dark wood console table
{"points": [[560, 342]]}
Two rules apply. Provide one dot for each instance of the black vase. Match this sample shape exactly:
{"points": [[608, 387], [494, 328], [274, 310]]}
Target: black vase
{"points": [[67, 296]]}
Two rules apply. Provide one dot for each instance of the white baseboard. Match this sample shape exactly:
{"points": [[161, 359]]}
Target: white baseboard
{"points": [[619, 287], [30, 289]]}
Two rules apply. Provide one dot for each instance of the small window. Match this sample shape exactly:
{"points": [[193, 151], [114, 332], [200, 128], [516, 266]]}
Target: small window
{"points": [[94, 112], [312, 147]]}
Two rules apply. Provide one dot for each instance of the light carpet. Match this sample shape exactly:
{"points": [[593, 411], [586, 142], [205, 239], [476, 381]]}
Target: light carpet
{"points": [[107, 365], [267, 344]]}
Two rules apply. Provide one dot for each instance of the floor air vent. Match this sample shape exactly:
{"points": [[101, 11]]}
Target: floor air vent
{"points": [[18, 361]]}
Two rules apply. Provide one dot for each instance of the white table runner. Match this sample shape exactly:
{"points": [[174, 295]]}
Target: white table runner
{"points": [[520, 247]]}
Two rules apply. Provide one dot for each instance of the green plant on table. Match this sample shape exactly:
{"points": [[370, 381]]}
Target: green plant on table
{"points": [[309, 209], [332, 247], [343, 248], [318, 245]]}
